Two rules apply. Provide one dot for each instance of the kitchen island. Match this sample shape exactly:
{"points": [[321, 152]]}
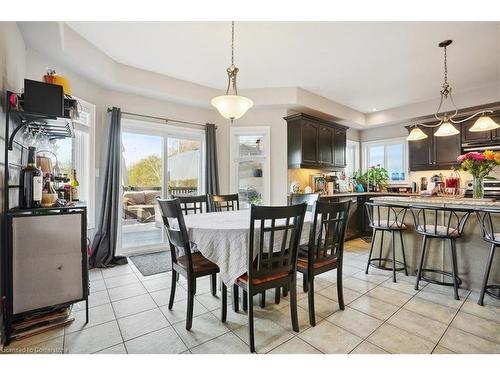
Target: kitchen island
{"points": [[472, 250]]}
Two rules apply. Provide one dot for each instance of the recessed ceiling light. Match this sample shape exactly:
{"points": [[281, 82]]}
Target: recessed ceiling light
{"points": [[374, 109]]}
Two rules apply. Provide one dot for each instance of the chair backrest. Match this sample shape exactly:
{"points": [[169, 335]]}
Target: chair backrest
{"points": [[326, 238], [228, 202], [274, 238], [178, 238], [382, 215], [440, 221], [310, 199], [489, 219], [192, 203]]}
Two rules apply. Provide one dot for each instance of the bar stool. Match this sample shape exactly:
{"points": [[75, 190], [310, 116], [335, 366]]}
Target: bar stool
{"points": [[426, 223], [387, 218], [492, 237]]}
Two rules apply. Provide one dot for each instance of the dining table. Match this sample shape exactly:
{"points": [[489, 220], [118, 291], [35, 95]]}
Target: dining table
{"points": [[223, 238]]}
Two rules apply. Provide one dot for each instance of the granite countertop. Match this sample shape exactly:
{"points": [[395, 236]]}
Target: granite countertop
{"points": [[355, 194], [441, 201]]}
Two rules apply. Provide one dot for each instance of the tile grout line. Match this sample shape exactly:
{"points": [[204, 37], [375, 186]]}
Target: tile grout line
{"points": [[449, 325]]}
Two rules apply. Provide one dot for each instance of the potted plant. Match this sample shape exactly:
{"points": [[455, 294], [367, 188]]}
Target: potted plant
{"points": [[374, 178], [479, 164]]}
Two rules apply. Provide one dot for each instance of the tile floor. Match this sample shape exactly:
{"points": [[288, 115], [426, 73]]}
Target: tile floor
{"points": [[128, 314]]}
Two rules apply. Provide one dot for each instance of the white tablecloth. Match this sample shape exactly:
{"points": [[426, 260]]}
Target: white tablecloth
{"points": [[223, 238]]}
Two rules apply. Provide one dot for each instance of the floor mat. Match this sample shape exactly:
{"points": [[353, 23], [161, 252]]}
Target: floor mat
{"points": [[152, 263]]}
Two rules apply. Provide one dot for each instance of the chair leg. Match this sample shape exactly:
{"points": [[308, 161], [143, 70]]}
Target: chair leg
{"points": [[454, 267], [172, 290], [213, 284], [393, 242], [249, 298], [340, 290], [310, 300], [371, 250], [421, 264], [293, 305], [224, 303], [277, 295], [381, 248], [190, 304], [263, 299], [304, 283], [403, 251], [486, 274], [236, 298], [285, 291], [245, 300]]}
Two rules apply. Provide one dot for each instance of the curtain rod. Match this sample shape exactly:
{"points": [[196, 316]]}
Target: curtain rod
{"points": [[161, 118]]}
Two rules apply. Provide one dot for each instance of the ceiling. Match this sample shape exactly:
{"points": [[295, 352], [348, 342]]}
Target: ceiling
{"points": [[368, 66]]}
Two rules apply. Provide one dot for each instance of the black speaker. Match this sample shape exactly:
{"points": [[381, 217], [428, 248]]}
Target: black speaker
{"points": [[43, 98]]}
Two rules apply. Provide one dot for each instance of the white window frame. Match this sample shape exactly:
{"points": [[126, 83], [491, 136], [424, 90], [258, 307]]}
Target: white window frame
{"points": [[357, 155], [164, 131], [385, 143], [235, 132], [81, 161]]}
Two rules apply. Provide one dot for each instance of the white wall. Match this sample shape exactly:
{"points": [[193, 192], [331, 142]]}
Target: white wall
{"points": [[12, 68]]}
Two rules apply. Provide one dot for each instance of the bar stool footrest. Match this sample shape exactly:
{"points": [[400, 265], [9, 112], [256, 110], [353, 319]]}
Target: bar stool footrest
{"points": [[434, 281], [493, 291], [386, 268]]}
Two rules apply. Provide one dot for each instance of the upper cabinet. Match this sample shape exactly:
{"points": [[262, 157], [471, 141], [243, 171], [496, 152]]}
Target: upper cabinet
{"points": [[315, 143], [433, 152]]}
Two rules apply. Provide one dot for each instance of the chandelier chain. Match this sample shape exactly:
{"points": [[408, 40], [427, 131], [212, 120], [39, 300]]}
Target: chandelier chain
{"points": [[445, 66], [232, 43]]}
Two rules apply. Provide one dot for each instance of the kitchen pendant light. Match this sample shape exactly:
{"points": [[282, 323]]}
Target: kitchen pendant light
{"points": [[446, 129], [232, 106], [416, 134], [484, 123], [446, 122]]}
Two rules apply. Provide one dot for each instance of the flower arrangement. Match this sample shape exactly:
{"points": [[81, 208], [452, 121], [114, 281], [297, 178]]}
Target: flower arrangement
{"points": [[479, 164]]}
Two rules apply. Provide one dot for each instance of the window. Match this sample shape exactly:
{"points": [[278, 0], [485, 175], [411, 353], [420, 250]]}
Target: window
{"points": [[250, 165], [78, 153], [390, 154], [158, 160], [352, 157]]}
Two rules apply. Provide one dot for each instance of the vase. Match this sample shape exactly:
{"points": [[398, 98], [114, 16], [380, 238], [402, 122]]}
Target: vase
{"points": [[477, 188]]}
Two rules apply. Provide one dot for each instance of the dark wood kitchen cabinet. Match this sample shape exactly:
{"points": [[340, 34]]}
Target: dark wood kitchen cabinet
{"points": [[315, 143], [433, 152]]}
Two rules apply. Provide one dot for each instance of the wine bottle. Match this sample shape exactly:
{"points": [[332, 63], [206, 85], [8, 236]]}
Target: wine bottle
{"points": [[75, 187], [30, 189]]}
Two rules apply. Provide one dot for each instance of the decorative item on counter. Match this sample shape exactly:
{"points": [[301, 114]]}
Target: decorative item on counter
{"points": [[375, 179], [479, 164], [308, 190], [52, 77], [452, 184], [319, 183], [423, 183], [294, 187]]}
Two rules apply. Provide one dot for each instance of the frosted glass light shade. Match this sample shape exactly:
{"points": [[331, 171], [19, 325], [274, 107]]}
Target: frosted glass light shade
{"points": [[232, 106], [445, 130], [416, 134], [484, 123]]}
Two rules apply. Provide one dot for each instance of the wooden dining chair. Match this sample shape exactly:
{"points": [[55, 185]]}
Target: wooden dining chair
{"points": [[192, 204], [191, 265], [325, 249], [274, 239], [228, 202]]}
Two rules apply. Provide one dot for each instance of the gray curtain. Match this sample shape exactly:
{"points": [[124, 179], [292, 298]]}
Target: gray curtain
{"points": [[104, 243], [211, 171]]}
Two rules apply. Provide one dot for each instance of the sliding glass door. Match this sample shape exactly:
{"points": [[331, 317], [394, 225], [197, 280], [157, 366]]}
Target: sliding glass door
{"points": [[158, 161]]}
